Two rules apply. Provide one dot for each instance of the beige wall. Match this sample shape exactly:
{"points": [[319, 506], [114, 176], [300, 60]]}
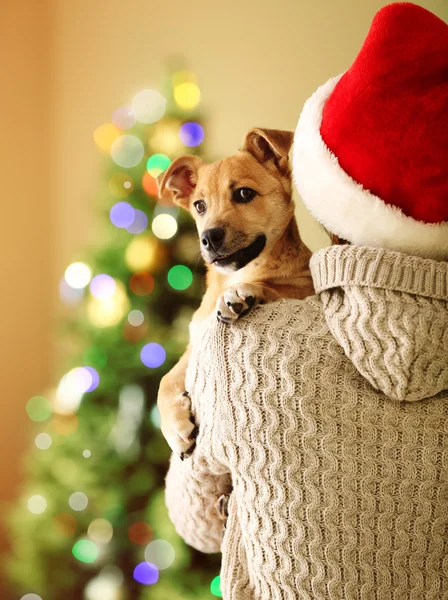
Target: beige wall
{"points": [[27, 223], [257, 62]]}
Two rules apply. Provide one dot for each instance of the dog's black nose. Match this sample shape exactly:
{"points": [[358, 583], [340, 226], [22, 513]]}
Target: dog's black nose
{"points": [[213, 238]]}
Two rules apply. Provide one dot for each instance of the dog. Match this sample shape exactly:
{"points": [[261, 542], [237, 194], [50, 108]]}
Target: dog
{"points": [[249, 239]]}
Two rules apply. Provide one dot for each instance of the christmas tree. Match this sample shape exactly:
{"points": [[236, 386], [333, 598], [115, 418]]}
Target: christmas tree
{"points": [[91, 523]]}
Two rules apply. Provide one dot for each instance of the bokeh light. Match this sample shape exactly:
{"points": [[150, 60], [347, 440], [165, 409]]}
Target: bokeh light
{"points": [[215, 586], [139, 224], [180, 277], [65, 424], [102, 587], [124, 117], [95, 379], [78, 275], [64, 524], [127, 151], [146, 573], [141, 253], [154, 415], [86, 453], [121, 185], [122, 215], [153, 355], [108, 312], [165, 138], [43, 441], [187, 95], [140, 533], [37, 504], [78, 501], [136, 317], [157, 163], [191, 134], [38, 409], [103, 286], [149, 106], [100, 531], [105, 135], [142, 284], [160, 553], [164, 226], [70, 296], [30, 597], [71, 389], [149, 184], [85, 551]]}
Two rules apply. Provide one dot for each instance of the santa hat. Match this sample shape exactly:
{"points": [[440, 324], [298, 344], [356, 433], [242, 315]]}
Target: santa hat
{"points": [[370, 157]]}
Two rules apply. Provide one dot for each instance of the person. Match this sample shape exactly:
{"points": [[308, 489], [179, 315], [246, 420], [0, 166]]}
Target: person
{"points": [[325, 420]]}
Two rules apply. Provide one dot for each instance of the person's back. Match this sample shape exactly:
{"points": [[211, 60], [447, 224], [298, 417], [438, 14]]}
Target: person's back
{"points": [[327, 419], [340, 490]]}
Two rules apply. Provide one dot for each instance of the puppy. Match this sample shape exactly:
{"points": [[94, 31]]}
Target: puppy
{"points": [[249, 239]]}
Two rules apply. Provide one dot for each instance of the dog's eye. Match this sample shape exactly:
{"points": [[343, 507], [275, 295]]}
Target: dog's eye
{"points": [[243, 195], [200, 206]]}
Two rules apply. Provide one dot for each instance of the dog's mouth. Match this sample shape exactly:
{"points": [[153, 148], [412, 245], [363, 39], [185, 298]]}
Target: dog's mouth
{"points": [[242, 257]]}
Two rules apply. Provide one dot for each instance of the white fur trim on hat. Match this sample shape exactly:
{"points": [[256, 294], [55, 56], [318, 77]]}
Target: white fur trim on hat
{"points": [[343, 206]]}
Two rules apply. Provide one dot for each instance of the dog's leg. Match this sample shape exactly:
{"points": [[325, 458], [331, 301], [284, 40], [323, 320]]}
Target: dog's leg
{"points": [[174, 404], [239, 299]]}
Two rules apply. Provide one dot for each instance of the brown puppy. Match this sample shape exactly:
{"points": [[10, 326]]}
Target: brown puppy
{"points": [[249, 239]]}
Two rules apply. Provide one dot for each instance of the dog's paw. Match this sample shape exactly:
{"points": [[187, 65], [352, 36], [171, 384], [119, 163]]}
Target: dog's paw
{"points": [[236, 302], [179, 427]]}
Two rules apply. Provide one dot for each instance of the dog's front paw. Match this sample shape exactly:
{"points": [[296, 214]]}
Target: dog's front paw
{"points": [[236, 302], [178, 426]]}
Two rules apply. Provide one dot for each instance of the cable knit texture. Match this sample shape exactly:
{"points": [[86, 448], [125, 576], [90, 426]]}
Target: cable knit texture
{"points": [[329, 419]]}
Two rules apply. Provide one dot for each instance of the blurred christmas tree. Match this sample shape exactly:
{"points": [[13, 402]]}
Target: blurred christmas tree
{"points": [[92, 523]]}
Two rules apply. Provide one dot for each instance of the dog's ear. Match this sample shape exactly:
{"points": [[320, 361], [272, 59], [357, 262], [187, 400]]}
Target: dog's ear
{"points": [[269, 146], [180, 179]]}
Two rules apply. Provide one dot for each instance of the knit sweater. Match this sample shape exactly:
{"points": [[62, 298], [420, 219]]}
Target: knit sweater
{"points": [[328, 418]]}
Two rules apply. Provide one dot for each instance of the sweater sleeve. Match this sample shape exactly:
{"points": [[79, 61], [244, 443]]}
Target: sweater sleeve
{"points": [[191, 494], [194, 485]]}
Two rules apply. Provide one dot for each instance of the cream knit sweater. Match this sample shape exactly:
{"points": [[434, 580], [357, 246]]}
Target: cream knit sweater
{"points": [[329, 419]]}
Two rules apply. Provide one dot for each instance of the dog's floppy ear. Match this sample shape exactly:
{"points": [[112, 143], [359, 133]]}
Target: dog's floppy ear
{"points": [[180, 179], [269, 146]]}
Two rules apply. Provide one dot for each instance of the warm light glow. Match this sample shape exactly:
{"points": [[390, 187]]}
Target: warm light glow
{"points": [[142, 284], [71, 389], [78, 501], [105, 136], [100, 531], [149, 106], [78, 275], [140, 533], [139, 254], [136, 318], [127, 151], [160, 553], [108, 312], [149, 184], [65, 524], [65, 424], [187, 95], [164, 226], [37, 505], [43, 441]]}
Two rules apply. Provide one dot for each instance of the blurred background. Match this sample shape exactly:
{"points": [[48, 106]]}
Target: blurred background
{"points": [[66, 68]]}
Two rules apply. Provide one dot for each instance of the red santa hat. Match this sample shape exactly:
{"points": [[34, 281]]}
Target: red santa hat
{"points": [[370, 157]]}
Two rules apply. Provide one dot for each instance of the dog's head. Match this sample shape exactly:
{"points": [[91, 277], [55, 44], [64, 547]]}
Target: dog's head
{"points": [[241, 204]]}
